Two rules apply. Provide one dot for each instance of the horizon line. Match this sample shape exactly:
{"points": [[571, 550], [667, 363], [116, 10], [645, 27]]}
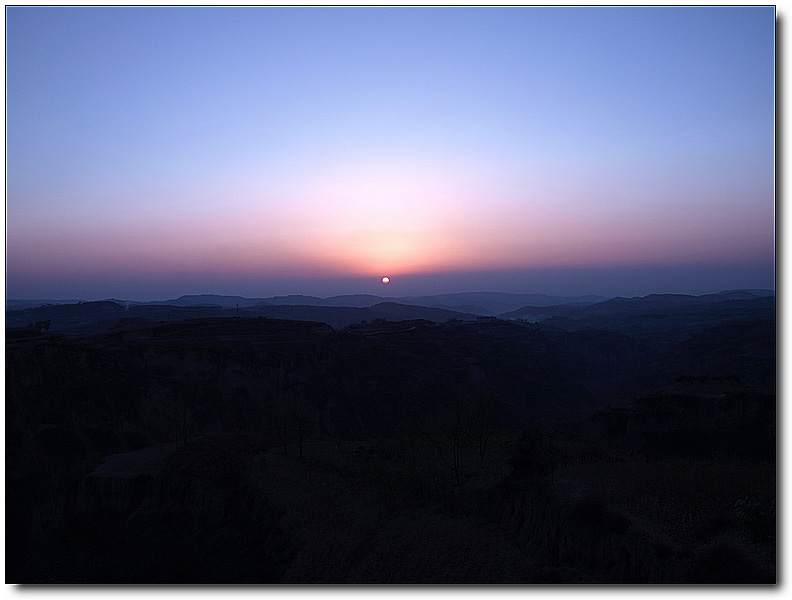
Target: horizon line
{"points": [[129, 300]]}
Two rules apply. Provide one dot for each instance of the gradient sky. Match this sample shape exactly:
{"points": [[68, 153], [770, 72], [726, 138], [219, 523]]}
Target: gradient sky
{"points": [[154, 152]]}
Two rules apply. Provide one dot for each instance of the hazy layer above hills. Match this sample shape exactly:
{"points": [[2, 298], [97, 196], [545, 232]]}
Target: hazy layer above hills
{"points": [[669, 315], [94, 317], [637, 303], [659, 322], [658, 318], [479, 303]]}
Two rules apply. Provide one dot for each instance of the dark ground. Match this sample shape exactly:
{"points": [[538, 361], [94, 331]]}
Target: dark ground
{"points": [[259, 451]]}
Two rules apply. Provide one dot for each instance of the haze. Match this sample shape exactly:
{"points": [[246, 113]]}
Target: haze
{"points": [[154, 152]]}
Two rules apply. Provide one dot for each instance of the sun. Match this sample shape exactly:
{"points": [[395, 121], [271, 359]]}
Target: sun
{"points": [[385, 279]]}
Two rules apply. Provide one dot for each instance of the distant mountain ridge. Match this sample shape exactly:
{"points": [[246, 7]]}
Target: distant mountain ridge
{"points": [[480, 303], [493, 303], [21, 304], [203, 300], [95, 317], [533, 307], [637, 303], [658, 319]]}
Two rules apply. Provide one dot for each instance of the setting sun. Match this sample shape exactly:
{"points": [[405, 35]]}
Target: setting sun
{"points": [[385, 279]]}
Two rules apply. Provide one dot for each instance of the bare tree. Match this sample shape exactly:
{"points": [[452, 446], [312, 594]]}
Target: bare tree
{"points": [[182, 416], [536, 454], [480, 412], [303, 417], [277, 416], [445, 434], [292, 417]]}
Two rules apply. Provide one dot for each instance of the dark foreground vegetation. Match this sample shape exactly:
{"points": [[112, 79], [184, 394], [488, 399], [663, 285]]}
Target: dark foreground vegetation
{"points": [[255, 450]]}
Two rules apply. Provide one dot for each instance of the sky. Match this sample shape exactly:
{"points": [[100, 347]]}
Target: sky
{"points": [[153, 152]]}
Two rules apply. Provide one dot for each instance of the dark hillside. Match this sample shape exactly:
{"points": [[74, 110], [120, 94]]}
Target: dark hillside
{"points": [[143, 452], [95, 317], [744, 350], [657, 320]]}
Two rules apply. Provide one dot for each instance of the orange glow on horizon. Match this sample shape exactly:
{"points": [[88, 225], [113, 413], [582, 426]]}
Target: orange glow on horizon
{"points": [[368, 218]]}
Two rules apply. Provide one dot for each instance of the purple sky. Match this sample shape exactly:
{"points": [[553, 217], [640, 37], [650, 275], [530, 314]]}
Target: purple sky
{"points": [[154, 152]]}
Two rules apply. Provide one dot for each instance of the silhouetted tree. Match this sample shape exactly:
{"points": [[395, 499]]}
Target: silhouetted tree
{"points": [[480, 412], [292, 417], [446, 432], [535, 455], [39, 325], [303, 415], [276, 414], [183, 417]]}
